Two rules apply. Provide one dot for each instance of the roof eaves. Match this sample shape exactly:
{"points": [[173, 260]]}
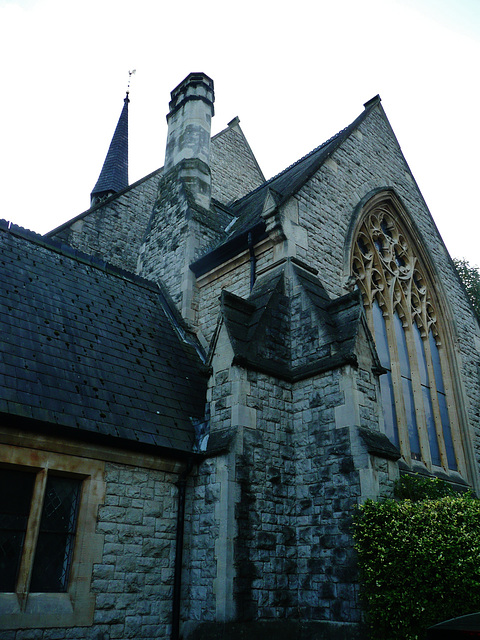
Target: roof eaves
{"points": [[227, 250], [21, 422], [75, 254], [328, 148]]}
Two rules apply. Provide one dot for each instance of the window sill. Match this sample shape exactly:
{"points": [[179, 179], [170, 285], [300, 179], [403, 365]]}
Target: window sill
{"points": [[44, 610]]}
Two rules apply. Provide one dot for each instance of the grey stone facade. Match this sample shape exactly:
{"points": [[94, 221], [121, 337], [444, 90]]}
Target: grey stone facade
{"points": [[261, 275]]}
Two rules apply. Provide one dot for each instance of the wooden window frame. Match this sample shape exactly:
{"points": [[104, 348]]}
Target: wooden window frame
{"points": [[23, 609]]}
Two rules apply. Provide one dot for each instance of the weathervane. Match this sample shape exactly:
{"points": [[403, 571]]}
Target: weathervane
{"points": [[130, 74]]}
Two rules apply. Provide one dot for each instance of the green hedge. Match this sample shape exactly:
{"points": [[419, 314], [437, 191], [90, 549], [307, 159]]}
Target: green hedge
{"points": [[419, 561]]}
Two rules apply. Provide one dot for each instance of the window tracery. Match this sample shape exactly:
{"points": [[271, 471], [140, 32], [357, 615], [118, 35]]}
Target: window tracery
{"points": [[399, 300]]}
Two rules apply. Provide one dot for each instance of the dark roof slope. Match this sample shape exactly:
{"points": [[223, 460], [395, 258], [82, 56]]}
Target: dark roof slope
{"points": [[278, 332], [285, 184], [248, 210], [88, 347]]}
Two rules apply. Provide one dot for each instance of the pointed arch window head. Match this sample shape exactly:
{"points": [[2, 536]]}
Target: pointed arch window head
{"points": [[400, 302]]}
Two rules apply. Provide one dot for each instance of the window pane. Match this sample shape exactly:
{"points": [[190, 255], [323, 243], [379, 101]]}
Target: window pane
{"points": [[386, 386], [432, 433], [408, 400], [437, 368], [388, 403], [381, 340], [411, 419], [442, 401], [16, 489], [427, 398], [447, 433], [54, 550], [422, 363], [402, 347]]}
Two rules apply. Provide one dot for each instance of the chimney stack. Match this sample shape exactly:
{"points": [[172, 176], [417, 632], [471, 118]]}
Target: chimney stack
{"points": [[189, 132]]}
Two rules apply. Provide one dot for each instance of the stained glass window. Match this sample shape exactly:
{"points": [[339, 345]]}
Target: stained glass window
{"points": [[399, 301]]}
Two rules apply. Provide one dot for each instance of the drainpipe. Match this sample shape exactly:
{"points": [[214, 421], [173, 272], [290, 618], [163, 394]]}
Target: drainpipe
{"points": [[253, 261], [177, 575]]}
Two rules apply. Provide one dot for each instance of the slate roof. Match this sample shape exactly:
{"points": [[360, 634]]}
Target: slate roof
{"points": [[90, 349], [285, 184], [275, 332], [114, 174], [248, 210]]}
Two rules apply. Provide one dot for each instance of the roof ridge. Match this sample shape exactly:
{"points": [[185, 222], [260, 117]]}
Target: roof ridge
{"points": [[80, 256], [294, 164], [367, 107]]}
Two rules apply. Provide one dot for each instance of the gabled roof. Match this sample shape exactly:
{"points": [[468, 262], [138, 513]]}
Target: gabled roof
{"points": [[248, 210], [114, 174], [285, 184], [274, 331], [90, 349]]}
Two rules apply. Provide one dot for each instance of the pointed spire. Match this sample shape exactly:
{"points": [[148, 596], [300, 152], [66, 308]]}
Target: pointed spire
{"points": [[114, 174]]}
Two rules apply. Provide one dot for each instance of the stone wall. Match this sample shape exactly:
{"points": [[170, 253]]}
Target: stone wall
{"points": [[235, 172], [233, 277], [134, 581], [265, 549], [115, 229], [201, 531], [328, 487], [294, 482], [163, 254]]}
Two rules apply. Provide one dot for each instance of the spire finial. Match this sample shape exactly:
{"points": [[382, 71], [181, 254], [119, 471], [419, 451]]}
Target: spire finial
{"points": [[130, 74]]}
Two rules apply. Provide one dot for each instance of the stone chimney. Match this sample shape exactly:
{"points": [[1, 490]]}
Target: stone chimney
{"points": [[189, 131]]}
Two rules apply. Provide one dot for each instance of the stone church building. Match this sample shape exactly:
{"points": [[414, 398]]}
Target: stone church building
{"points": [[203, 373]]}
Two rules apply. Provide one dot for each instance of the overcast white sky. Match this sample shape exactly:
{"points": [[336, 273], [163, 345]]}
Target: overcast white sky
{"points": [[294, 73]]}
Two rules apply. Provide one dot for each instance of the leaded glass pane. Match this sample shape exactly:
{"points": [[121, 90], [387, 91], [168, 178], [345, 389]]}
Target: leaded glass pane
{"points": [[437, 367], [54, 550], [411, 418], [427, 397], [402, 347], [432, 433], [422, 362], [447, 432], [408, 399], [386, 386], [388, 404], [442, 401], [381, 339], [16, 488]]}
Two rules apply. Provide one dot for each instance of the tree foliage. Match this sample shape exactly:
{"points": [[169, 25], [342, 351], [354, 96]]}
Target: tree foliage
{"points": [[419, 561], [471, 279]]}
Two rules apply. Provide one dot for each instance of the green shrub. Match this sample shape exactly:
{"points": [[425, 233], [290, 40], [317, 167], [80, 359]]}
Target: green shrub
{"points": [[415, 487], [419, 563]]}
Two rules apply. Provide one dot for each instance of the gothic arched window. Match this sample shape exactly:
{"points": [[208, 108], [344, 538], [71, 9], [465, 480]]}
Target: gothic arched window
{"points": [[418, 406]]}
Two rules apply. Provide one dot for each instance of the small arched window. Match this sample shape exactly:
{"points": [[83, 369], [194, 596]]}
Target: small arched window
{"points": [[419, 411]]}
